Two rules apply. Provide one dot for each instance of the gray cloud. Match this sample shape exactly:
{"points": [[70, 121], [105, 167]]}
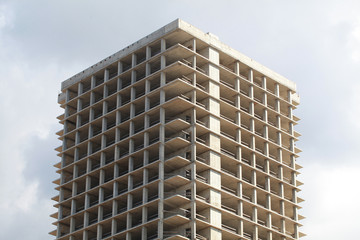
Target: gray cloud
{"points": [[314, 43]]}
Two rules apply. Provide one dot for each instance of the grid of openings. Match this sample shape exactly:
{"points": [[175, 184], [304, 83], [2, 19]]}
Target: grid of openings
{"points": [[139, 140]]}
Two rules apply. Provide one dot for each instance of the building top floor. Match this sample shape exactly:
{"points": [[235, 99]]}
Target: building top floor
{"points": [[175, 32]]}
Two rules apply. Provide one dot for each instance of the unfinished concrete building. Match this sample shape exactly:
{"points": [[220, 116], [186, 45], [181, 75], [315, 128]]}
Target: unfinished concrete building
{"points": [[178, 136]]}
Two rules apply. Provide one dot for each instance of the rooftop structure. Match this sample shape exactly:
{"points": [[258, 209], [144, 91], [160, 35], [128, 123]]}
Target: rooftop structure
{"points": [[178, 136]]}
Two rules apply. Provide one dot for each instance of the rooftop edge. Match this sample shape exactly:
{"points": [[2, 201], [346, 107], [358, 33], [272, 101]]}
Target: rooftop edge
{"points": [[209, 38]]}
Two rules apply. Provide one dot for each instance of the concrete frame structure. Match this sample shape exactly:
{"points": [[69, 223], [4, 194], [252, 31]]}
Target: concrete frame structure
{"points": [[178, 136]]}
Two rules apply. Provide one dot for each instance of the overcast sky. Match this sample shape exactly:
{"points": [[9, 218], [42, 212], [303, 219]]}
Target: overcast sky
{"points": [[313, 43]]}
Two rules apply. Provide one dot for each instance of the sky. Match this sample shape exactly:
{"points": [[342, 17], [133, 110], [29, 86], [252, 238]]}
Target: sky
{"points": [[313, 43]]}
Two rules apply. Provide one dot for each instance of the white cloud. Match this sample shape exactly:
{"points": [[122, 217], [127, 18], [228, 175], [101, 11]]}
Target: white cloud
{"points": [[354, 40], [6, 16], [332, 201], [314, 43]]}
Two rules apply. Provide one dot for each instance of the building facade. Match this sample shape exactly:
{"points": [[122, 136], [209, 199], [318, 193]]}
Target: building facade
{"points": [[178, 136]]}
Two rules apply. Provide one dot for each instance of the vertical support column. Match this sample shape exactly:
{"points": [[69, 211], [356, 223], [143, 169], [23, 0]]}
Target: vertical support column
{"points": [[93, 82], [161, 173], [106, 74], [162, 58], [213, 175], [277, 100], [120, 68], [193, 171]]}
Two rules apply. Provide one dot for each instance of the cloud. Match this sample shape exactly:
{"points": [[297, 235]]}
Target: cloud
{"points": [[354, 41], [331, 196], [316, 44]]}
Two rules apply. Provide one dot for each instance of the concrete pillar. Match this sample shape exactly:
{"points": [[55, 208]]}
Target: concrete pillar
{"points": [[282, 226], [101, 195], [194, 44], [99, 232], [255, 233], [120, 67], [162, 62], [268, 201], [214, 177], [250, 75], [113, 226], [296, 231], [106, 74], [93, 82], [289, 96], [161, 173], [143, 233], [163, 45], [86, 219], [85, 235]]}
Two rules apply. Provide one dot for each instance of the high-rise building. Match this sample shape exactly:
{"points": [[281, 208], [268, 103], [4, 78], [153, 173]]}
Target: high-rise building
{"points": [[178, 136]]}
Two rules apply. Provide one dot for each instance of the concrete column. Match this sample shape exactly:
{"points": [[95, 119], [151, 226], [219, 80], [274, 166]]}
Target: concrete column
{"points": [[268, 201], [282, 226], [161, 173], [280, 173], [93, 82], [240, 228], [99, 232], [268, 220], [296, 231], [255, 233], [266, 146], [67, 95], [282, 207], [104, 124], [88, 183], [237, 70], [239, 185], [113, 226], [106, 74], [162, 62], [133, 60], [86, 219], [163, 45], [294, 196], [193, 170], [79, 105], [250, 75], [194, 44], [106, 91], [148, 52], [129, 200], [213, 175], [277, 89], [80, 88], [91, 114], [147, 69], [85, 235], [293, 161], [76, 154], [267, 183], [101, 195], [269, 225], [133, 76], [120, 67], [119, 84], [293, 178], [143, 233], [290, 110], [74, 189], [254, 215], [292, 145], [289, 96]]}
